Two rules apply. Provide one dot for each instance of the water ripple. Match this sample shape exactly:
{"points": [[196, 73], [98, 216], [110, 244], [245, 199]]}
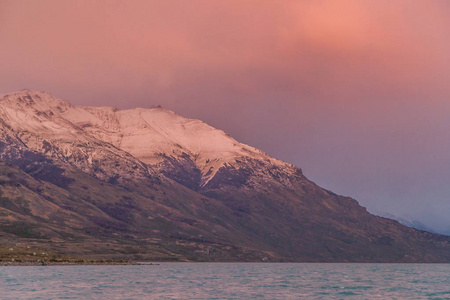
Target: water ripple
{"points": [[228, 281]]}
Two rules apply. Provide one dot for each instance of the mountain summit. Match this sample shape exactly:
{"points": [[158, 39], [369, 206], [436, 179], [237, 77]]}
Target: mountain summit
{"points": [[149, 184]]}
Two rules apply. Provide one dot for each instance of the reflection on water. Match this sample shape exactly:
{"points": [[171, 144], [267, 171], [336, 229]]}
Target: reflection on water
{"points": [[228, 281]]}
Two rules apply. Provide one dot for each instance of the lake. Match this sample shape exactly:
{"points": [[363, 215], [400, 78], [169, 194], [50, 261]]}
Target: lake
{"points": [[227, 281]]}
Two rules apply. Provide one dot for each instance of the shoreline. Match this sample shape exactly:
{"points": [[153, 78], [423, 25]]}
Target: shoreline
{"points": [[72, 263]]}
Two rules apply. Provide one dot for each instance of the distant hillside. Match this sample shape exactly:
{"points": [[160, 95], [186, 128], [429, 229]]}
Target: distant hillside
{"points": [[148, 184]]}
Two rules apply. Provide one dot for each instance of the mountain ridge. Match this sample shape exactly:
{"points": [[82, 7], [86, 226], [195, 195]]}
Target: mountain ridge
{"points": [[150, 184]]}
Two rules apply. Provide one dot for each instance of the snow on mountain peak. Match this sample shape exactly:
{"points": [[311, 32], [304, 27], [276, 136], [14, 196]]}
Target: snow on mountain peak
{"points": [[37, 100], [152, 134], [149, 134]]}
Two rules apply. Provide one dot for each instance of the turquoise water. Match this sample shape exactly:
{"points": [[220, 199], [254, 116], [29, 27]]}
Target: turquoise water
{"points": [[228, 281]]}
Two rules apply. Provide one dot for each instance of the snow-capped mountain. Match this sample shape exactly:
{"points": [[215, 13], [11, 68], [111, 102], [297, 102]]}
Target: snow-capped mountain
{"points": [[150, 184], [89, 136]]}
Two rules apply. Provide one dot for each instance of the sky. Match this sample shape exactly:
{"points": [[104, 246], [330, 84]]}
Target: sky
{"points": [[355, 92]]}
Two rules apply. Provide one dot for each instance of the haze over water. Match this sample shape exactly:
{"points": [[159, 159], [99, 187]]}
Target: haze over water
{"points": [[228, 281]]}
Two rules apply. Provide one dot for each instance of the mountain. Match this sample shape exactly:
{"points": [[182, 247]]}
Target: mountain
{"points": [[410, 222], [148, 184]]}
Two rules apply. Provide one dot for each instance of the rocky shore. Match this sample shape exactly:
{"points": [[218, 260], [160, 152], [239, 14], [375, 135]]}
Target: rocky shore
{"points": [[20, 255], [68, 263]]}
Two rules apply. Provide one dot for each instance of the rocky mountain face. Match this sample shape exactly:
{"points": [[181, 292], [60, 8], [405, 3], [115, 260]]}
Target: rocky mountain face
{"points": [[148, 184]]}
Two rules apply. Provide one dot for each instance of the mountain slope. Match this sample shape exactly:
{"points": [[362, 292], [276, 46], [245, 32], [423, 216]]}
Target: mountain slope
{"points": [[150, 184]]}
